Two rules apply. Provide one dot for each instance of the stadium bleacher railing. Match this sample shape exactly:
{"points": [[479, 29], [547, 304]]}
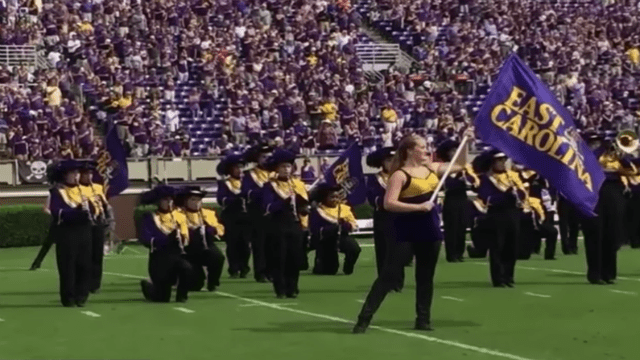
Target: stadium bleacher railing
{"points": [[143, 170], [17, 55]]}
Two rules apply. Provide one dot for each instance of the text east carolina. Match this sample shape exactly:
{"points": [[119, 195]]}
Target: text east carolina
{"points": [[537, 124]]}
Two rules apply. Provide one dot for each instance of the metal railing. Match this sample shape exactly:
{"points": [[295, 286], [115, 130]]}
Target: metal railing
{"points": [[17, 55], [378, 54]]}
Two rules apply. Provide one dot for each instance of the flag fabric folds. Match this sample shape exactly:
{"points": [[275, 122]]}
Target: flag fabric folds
{"points": [[347, 173], [112, 163], [522, 118]]}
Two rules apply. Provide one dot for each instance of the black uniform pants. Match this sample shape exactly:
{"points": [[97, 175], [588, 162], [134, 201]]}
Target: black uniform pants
{"points": [[454, 216], [503, 247], [46, 246], [165, 268], [258, 239], [528, 239], [569, 227], [237, 236], [481, 234], [286, 244], [97, 256], [327, 262], [426, 254], [604, 233], [633, 218], [200, 257], [73, 255], [548, 231]]}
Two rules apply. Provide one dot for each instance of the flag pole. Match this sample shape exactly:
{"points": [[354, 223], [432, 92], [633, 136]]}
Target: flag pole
{"points": [[463, 143]]}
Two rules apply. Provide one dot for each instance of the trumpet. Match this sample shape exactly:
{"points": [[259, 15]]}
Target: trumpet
{"points": [[203, 230], [293, 198], [87, 208], [625, 143]]}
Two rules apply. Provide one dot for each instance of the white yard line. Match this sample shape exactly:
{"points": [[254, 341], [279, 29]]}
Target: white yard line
{"points": [[360, 301], [623, 292], [90, 313], [537, 295], [1, 320], [451, 298], [558, 271], [184, 310], [414, 335]]}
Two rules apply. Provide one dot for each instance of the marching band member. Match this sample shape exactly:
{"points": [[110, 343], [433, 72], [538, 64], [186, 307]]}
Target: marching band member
{"points": [[285, 201], [455, 207], [633, 209], [73, 234], [542, 214], [330, 224], [376, 187], [253, 182], [604, 234], [101, 212], [203, 227], [234, 216], [569, 223], [415, 228], [48, 241], [166, 233], [481, 230], [500, 192]]}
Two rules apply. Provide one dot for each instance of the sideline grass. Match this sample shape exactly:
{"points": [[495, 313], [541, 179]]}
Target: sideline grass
{"points": [[571, 320]]}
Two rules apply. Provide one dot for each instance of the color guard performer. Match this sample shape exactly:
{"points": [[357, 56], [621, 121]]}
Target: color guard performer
{"points": [[253, 182], [330, 224], [285, 202], [234, 216], [166, 233], [502, 193], [605, 233], [101, 215], [415, 227], [202, 251], [72, 217], [455, 207], [376, 187]]}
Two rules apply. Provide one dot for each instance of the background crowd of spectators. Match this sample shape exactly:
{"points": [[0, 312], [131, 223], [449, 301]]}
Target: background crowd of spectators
{"points": [[205, 77]]}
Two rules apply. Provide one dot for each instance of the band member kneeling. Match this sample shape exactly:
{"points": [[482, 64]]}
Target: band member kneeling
{"points": [[286, 205], [165, 233], [202, 252], [330, 224]]}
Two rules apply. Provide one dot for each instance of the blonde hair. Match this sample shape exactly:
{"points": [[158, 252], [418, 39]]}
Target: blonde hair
{"points": [[402, 153]]}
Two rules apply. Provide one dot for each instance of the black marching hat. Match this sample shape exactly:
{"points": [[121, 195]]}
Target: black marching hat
{"points": [[376, 158], [442, 151], [323, 190], [63, 167], [254, 152], [156, 194], [224, 167], [89, 165], [482, 163], [278, 157], [187, 191]]}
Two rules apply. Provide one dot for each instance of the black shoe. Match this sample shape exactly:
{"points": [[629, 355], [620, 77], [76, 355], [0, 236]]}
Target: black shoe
{"points": [[597, 282], [610, 282], [262, 279], [95, 291], [510, 284], [234, 276], [460, 259], [499, 285], [361, 327], [422, 325], [244, 272], [147, 289], [348, 270], [182, 298], [70, 305], [34, 266], [292, 296], [281, 296], [212, 287], [398, 289]]}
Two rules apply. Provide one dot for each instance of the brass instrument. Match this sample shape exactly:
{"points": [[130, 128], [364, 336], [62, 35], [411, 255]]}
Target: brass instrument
{"points": [[293, 197], [625, 143], [87, 208], [203, 230]]}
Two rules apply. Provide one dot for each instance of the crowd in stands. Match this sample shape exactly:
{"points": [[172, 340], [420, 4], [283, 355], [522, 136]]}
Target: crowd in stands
{"points": [[206, 77]]}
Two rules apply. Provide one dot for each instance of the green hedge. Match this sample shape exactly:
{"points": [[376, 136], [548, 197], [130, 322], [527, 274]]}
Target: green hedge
{"points": [[23, 225]]}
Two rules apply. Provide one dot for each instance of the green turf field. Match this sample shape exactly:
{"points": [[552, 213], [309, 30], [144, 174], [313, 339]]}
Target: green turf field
{"points": [[552, 313]]}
